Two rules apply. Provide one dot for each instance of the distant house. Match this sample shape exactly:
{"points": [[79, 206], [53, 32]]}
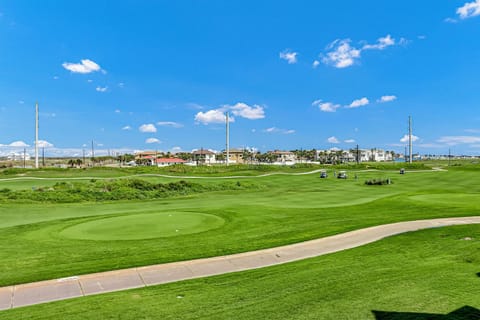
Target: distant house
{"points": [[18, 157], [203, 156], [283, 156], [146, 157], [235, 155], [163, 162]]}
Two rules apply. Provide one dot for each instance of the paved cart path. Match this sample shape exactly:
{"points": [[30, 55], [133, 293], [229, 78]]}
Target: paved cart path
{"points": [[97, 283]]}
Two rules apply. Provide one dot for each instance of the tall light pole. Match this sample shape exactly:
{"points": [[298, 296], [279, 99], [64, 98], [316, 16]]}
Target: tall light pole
{"points": [[36, 135], [227, 138], [410, 160]]}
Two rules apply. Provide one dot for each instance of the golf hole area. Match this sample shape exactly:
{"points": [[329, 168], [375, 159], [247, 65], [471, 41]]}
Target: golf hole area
{"points": [[143, 226]]}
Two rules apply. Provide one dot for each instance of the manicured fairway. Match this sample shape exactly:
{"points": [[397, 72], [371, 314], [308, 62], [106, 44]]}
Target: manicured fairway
{"points": [[51, 240], [420, 275]]}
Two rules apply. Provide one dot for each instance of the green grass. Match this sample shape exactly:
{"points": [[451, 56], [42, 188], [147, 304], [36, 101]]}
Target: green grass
{"points": [[428, 272], [142, 226], [49, 240]]}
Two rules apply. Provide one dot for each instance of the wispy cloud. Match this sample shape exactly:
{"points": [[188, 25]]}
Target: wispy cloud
{"points": [[147, 128], [469, 10], [315, 64], [85, 66], [342, 54], [384, 99], [127, 128], [152, 140], [349, 141], [278, 130], [289, 56], [359, 103], [325, 106], [381, 44], [101, 89], [333, 139], [454, 140], [170, 124]]}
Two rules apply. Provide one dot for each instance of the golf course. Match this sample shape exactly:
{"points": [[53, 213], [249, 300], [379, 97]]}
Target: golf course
{"points": [[62, 223]]}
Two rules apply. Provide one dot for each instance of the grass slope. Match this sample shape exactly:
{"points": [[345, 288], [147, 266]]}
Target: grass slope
{"points": [[410, 276], [36, 244]]}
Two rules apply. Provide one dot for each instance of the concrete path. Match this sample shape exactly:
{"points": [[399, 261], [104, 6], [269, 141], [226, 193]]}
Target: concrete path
{"points": [[97, 283]]}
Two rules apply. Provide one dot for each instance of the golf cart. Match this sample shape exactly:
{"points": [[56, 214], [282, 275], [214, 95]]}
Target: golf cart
{"points": [[402, 171], [342, 175], [323, 174]]}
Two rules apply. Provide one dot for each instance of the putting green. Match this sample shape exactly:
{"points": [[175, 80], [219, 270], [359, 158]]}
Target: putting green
{"points": [[143, 226]]}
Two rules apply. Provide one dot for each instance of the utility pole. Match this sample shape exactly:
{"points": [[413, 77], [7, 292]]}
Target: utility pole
{"points": [[358, 155], [36, 135], [410, 138], [93, 155], [84, 157], [227, 138], [43, 156], [449, 156]]}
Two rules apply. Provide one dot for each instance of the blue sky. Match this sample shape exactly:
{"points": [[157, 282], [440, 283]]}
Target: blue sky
{"points": [[146, 75]]}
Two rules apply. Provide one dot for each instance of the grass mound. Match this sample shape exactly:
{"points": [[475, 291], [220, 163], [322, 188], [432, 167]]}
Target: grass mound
{"points": [[115, 189]]}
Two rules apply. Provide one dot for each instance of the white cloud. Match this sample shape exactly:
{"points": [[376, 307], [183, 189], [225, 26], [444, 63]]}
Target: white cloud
{"points": [[85, 66], [278, 130], [101, 89], [117, 111], [21, 102], [121, 85], [44, 144], [472, 130], [18, 144], [387, 99], [333, 140], [341, 54], [152, 140], [422, 37], [89, 80], [469, 9], [147, 128], [290, 57], [212, 116], [454, 140], [349, 141], [315, 63], [381, 44], [127, 128], [240, 109], [245, 111], [450, 20], [325, 106], [359, 103], [170, 124], [405, 138]]}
